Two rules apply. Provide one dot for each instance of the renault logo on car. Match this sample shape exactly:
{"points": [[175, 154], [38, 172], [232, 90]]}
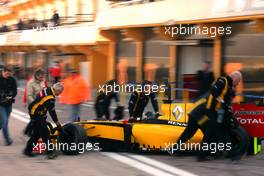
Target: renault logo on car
{"points": [[177, 112]]}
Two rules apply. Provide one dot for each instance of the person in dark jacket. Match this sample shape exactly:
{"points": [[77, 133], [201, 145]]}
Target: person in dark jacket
{"points": [[38, 109], [103, 101], [205, 79], [208, 114], [4, 28], [55, 18], [8, 92], [20, 25], [139, 100]]}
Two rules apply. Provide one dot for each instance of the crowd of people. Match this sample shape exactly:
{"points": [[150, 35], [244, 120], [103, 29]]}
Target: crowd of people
{"points": [[40, 99], [25, 24]]}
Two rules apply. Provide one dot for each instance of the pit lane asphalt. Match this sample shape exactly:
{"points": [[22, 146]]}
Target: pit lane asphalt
{"points": [[12, 162]]}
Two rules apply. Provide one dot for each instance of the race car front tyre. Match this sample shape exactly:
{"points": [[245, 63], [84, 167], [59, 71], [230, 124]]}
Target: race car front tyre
{"points": [[71, 138], [240, 143]]}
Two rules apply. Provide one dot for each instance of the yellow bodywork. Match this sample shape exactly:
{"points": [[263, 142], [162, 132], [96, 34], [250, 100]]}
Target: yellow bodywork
{"points": [[104, 130], [157, 135], [160, 135]]}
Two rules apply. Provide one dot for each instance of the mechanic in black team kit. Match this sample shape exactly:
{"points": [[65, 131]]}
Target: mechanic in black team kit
{"points": [[44, 102], [103, 101], [139, 100], [210, 113]]}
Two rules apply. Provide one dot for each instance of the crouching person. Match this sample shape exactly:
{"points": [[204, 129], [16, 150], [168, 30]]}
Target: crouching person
{"points": [[139, 100], [44, 102], [211, 114]]}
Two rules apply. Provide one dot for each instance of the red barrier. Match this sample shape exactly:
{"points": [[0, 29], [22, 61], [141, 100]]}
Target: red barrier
{"points": [[251, 117]]}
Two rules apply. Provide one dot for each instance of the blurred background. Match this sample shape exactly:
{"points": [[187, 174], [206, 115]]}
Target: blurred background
{"points": [[126, 40]]}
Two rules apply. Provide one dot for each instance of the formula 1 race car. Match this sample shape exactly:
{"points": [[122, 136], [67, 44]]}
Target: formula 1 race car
{"points": [[151, 134]]}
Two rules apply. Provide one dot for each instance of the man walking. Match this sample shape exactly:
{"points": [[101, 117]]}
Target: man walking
{"points": [[8, 92]]}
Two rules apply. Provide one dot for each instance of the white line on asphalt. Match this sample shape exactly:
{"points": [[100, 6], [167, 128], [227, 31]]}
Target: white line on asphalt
{"points": [[19, 117], [161, 165], [138, 165], [20, 113]]}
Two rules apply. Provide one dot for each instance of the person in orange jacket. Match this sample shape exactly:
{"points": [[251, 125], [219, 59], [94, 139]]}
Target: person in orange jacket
{"points": [[76, 91]]}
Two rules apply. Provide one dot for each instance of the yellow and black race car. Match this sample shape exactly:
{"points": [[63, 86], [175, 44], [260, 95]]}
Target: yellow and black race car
{"points": [[148, 134]]}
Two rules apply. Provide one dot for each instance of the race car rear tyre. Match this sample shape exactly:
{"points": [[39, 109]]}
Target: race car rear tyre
{"points": [[240, 143], [71, 137]]}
